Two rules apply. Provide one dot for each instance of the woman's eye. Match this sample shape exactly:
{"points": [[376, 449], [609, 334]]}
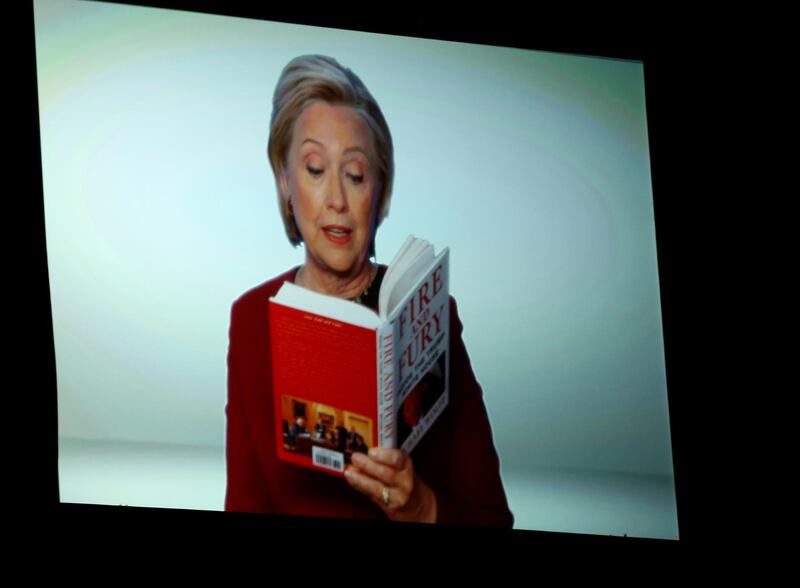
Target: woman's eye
{"points": [[357, 179], [314, 171]]}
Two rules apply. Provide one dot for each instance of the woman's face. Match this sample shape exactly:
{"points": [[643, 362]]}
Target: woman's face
{"points": [[332, 187]]}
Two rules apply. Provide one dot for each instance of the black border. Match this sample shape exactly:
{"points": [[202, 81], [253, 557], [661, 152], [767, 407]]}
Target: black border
{"points": [[669, 114]]}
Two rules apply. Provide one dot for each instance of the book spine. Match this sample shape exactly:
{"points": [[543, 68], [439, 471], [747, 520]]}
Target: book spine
{"points": [[386, 386]]}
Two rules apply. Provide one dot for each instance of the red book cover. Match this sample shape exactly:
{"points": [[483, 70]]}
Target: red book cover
{"points": [[325, 387]]}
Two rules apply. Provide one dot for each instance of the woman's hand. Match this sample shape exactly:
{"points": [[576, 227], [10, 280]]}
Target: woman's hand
{"points": [[387, 476]]}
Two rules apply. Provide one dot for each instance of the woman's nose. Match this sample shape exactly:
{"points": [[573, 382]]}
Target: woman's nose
{"points": [[337, 197]]}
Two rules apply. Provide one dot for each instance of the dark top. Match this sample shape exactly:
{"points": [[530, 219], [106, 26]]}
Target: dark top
{"points": [[456, 458]]}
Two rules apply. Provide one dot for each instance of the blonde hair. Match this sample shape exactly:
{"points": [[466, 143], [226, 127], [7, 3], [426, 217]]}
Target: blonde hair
{"points": [[310, 78]]}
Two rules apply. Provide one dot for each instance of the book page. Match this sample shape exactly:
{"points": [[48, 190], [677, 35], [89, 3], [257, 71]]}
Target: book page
{"points": [[411, 261]]}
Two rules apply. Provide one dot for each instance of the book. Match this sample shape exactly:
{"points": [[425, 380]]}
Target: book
{"points": [[346, 378]]}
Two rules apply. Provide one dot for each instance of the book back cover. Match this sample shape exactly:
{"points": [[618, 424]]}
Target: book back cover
{"points": [[325, 387]]}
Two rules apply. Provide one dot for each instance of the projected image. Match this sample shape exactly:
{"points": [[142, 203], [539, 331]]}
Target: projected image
{"points": [[163, 206]]}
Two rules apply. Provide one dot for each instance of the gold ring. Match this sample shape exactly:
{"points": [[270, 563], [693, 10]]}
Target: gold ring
{"points": [[385, 494]]}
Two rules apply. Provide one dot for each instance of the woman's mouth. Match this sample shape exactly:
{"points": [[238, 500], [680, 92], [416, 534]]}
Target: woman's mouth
{"points": [[337, 234]]}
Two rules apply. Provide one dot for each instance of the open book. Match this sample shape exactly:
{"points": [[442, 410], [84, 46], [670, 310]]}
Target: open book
{"points": [[346, 378]]}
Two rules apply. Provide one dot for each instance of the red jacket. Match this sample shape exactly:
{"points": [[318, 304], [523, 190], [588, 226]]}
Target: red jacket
{"points": [[456, 458]]}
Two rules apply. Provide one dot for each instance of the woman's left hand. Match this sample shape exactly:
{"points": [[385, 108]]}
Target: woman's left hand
{"points": [[387, 476]]}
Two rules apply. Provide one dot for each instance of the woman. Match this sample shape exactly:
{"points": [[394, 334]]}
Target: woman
{"points": [[331, 152]]}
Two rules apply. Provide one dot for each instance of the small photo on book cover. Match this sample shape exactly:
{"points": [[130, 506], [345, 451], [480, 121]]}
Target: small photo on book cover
{"points": [[422, 398], [324, 432]]}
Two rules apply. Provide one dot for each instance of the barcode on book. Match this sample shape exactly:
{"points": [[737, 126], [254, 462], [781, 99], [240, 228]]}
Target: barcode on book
{"points": [[325, 458]]}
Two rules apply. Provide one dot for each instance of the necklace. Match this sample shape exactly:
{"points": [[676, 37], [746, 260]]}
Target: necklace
{"points": [[360, 298]]}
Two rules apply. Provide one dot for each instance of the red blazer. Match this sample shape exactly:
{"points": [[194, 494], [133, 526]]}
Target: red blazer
{"points": [[456, 458]]}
